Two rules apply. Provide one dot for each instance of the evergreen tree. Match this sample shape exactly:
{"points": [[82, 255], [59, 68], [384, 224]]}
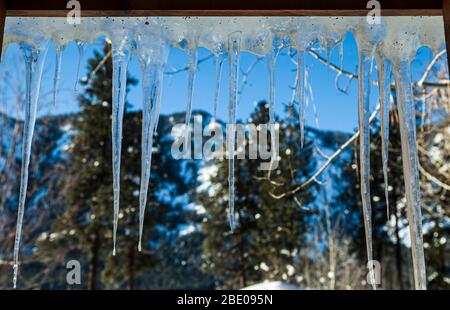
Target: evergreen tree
{"points": [[270, 232], [180, 266], [85, 227], [434, 154], [44, 199], [283, 223], [388, 247], [232, 255]]}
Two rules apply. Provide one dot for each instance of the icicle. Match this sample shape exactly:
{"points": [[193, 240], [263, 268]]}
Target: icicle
{"points": [[81, 47], [271, 63], [271, 68], [301, 71], [152, 76], [157, 112], [384, 89], [234, 50], [34, 65], [314, 107], [219, 61], [192, 69], [120, 59], [341, 55], [153, 53], [364, 83], [407, 120], [57, 73]]}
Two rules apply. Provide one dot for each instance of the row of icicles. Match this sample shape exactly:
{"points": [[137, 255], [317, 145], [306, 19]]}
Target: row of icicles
{"points": [[152, 75]]}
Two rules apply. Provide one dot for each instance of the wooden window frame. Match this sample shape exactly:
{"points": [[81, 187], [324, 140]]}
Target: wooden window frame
{"points": [[57, 8]]}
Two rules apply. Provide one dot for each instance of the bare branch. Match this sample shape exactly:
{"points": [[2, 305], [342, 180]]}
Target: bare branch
{"points": [[421, 82], [433, 179], [187, 67], [245, 75], [99, 65], [313, 178]]}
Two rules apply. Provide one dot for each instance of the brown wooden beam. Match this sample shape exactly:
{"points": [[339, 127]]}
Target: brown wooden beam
{"points": [[221, 7], [57, 8], [284, 12], [2, 22], [446, 15]]}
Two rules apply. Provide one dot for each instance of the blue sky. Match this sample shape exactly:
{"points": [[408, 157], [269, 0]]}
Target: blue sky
{"points": [[334, 109]]}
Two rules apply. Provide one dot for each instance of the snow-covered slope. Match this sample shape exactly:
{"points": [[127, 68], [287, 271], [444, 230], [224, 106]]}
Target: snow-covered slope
{"points": [[271, 286]]}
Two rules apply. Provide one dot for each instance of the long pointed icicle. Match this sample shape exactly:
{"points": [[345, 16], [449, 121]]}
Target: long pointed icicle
{"points": [[271, 65], [81, 47], [192, 69], [364, 83], [57, 73], [384, 90], [407, 120], [120, 60], [234, 51], [341, 55], [301, 93], [157, 112], [271, 61], [152, 76], [219, 61], [34, 66]]}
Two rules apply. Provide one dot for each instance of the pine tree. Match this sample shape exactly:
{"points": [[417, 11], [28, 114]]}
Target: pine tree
{"points": [[232, 255], [388, 247], [85, 228], [283, 223], [433, 155], [270, 231]]}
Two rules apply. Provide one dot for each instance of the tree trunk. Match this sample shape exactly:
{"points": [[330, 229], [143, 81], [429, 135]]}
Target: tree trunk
{"points": [[131, 269], [243, 277], [398, 252], [93, 262]]}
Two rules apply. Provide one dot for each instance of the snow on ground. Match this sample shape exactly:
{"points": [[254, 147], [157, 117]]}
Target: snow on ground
{"points": [[206, 173], [272, 286]]}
